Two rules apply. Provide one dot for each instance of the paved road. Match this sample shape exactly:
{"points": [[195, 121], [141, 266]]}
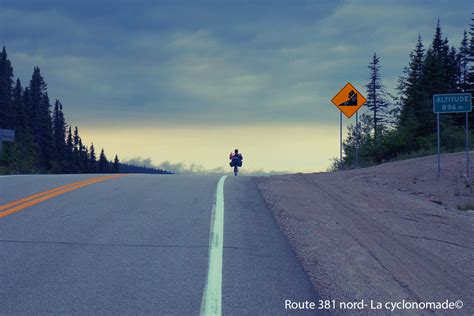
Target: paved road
{"points": [[140, 244]]}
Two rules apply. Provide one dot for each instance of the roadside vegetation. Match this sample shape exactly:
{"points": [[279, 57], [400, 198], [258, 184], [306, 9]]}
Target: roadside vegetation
{"points": [[44, 141], [404, 126]]}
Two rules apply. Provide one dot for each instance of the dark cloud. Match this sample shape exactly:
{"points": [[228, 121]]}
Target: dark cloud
{"points": [[206, 62]]}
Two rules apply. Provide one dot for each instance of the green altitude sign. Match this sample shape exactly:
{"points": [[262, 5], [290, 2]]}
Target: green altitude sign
{"points": [[452, 103]]}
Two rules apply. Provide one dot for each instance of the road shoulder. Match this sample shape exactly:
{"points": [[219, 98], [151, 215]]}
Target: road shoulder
{"points": [[359, 240], [260, 268]]}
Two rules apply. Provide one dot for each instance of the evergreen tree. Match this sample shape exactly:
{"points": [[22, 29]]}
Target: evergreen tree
{"points": [[59, 127], [76, 139], [83, 158], [39, 108], [77, 142], [116, 165], [411, 95], [463, 62], [34, 101], [438, 46], [70, 157], [42, 143], [21, 118], [47, 146], [21, 156], [453, 70], [437, 77], [27, 105], [103, 163], [470, 75], [376, 97], [469, 84], [24, 139], [6, 86], [92, 159]]}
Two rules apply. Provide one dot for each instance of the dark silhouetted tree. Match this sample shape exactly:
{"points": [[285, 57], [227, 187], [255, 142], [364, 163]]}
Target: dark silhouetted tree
{"points": [[437, 77], [21, 155], [116, 165], [6, 85], [39, 107], [70, 155], [463, 63], [376, 97], [411, 95], [103, 163], [77, 142], [44, 143], [92, 159], [59, 129], [470, 75], [83, 157]]}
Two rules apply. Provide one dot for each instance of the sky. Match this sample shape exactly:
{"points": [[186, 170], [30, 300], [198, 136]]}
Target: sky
{"points": [[179, 84]]}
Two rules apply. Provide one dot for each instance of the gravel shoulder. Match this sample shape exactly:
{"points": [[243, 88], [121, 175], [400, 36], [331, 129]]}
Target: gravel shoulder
{"points": [[386, 233]]}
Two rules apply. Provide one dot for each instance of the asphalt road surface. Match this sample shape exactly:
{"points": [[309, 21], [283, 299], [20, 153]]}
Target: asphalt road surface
{"points": [[141, 244]]}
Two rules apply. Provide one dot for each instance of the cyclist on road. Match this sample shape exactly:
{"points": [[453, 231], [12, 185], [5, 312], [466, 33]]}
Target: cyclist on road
{"points": [[236, 160]]}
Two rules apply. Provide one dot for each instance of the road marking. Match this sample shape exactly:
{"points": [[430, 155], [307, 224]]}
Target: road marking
{"points": [[37, 195], [21, 204], [17, 175], [212, 297]]}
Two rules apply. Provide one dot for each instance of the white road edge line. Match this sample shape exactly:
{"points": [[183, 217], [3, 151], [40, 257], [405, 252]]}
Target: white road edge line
{"points": [[212, 297]]}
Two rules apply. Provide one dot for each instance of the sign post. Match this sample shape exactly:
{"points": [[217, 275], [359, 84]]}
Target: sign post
{"points": [[340, 140], [6, 135], [452, 103], [467, 145], [357, 139], [348, 101], [438, 133]]}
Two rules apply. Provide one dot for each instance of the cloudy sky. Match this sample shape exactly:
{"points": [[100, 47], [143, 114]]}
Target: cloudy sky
{"points": [[185, 82]]}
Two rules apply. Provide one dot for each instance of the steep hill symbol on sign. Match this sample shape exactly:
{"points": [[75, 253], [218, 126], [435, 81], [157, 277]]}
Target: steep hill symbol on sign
{"points": [[352, 99], [348, 100]]}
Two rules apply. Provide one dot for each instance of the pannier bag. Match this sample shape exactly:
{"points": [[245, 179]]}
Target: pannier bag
{"points": [[236, 161]]}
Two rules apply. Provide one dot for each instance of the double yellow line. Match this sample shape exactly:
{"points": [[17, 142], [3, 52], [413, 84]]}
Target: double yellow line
{"points": [[28, 201]]}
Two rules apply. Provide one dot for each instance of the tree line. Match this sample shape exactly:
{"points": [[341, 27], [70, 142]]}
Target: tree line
{"points": [[44, 142], [404, 125]]}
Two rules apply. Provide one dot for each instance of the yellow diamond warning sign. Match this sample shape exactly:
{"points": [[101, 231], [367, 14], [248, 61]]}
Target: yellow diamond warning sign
{"points": [[348, 100]]}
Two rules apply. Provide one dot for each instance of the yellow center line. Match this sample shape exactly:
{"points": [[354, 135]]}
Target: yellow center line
{"points": [[34, 196], [21, 204]]}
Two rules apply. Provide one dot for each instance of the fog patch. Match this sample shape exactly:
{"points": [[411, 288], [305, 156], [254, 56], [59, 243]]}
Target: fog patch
{"points": [[197, 169]]}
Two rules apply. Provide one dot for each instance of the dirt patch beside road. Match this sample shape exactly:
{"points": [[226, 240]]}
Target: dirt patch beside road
{"points": [[386, 233]]}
